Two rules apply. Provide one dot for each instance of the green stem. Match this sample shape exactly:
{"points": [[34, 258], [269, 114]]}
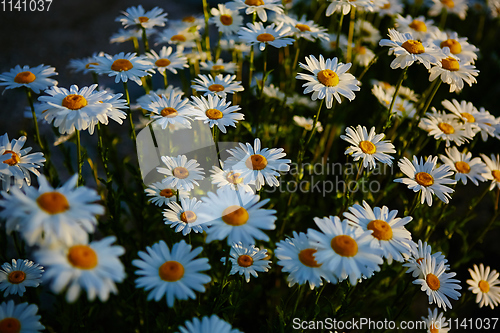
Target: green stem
{"points": [[165, 80], [79, 158], [339, 31], [398, 85], [305, 144], [145, 39], [442, 22], [350, 36], [299, 296], [218, 49], [252, 55], [132, 127], [136, 45], [30, 102], [206, 36]]}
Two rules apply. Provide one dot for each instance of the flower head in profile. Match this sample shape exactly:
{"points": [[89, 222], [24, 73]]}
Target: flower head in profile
{"points": [[493, 172], [167, 59], [15, 277], [84, 65], [207, 324], [486, 285], [181, 173], [457, 7], [227, 21], [20, 317], [304, 28], [418, 27], [453, 72], [418, 252], [220, 85], [162, 194], [257, 6], [124, 67], [182, 37], [137, 16], [36, 78], [445, 127], [307, 123], [216, 111], [274, 35], [248, 260], [344, 6], [459, 47], [225, 176], [436, 323], [219, 66], [464, 166]]}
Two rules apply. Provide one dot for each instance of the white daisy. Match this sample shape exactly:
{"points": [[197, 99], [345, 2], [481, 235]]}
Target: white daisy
{"points": [[426, 178], [274, 35], [391, 8], [367, 32], [368, 146], [125, 35], [487, 123], [182, 217], [227, 21], [170, 110], [418, 27], [436, 323], [464, 166], [329, 79], [84, 65], [192, 23], [437, 284], [466, 112], [418, 252], [213, 110], [457, 7], [493, 172], [172, 273], [162, 194], [388, 230], [237, 215], [153, 96], [137, 16], [36, 78], [408, 49], [453, 72], [331, 45], [15, 277], [459, 47], [230, 43], [94, 266], [445, 127], [207, 325], [124, 67], [167, 60], [48, 216], [344, 250], [256, 164], [247, 260], [17, 163], [20, 318], [227, 177], [181, 173], [183, 38], [220, 85], [486, 285], [219, 66], [345, 6], [362, 55], [297, 256], [307, 123], [304, 28], [257, 6]]}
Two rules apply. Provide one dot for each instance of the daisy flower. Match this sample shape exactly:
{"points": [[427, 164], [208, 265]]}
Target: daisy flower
{"points": [[182, 217], [213, 110], [345, 6], [219, 66], [465, 111], [389, 232], [297, 256], [307, 123], [167, 60], [183, 38], [20, 318], [227, 21], [181, 173], [453, 72], [487, 123], [227, 177], [486, 285], [459, 47], [438, 285], [17, 163], [418, 27], [15, 277], [247, 260], [368, 146], [367, 32], [220, 85], [123, 35], [48, 216], [426, 178], [331, 45], [153, 96], [192, 23], [207, 324], [274, 35], [36, 78], [464, 166], [172, 273], [409, 49], [162, 194], [171, 110], [256, 164], [457, 7], [390, 8], [362, 55], [137, 16], [418, 252], [257, 6], [84, 65], [493, 172], [445, 127], [436, 323], [304, 28], [237, 216], [344, 250], [124, 67], [94, 266]]}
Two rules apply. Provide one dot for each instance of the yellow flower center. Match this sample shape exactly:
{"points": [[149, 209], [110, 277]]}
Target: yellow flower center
{"points": [[216, 87], [265, 37], [217, 67], [10, 325], [256, 162], [381, 230], [360, 50], [82, 256], [143, 19], [462, 167], [344, 246], [302, 27], [14, 158], [413, 46], [74, 102], [450, 64], [432, 281], [433, 328], [226, 19], [484, 286], [448, 3], [254, 2], [234, 178], [24, 77], [333, 45], [306, 257], [189, 19], [328, 77], [245, 260], [167, 193], [120, 65], [470, 118], [53, 202], [418, 25], [169, 112], [16, 277], [446, 128], [386, 6], [419, 260], [180, 172], [171, 271], [496, 175], [453, 44], [90, 64], [213, 114], [235, 215], [367, 147], [188, 216], [424, 179], [163, 62], [178, 38]]}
